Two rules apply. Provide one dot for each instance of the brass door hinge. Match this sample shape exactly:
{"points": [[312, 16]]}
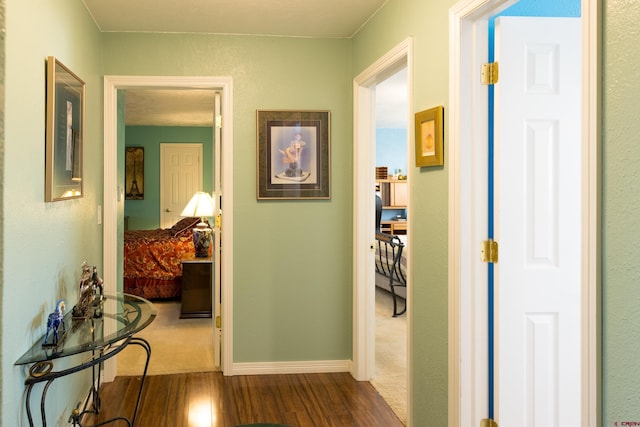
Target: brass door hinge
{"points": [[219, 121], [218, 322], [488, 422], [219, 222], [489, 251], [489, 73]]}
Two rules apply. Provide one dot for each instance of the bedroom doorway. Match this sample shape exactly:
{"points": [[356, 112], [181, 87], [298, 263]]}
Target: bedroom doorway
{"points": [[364, 332], [114, 195]]}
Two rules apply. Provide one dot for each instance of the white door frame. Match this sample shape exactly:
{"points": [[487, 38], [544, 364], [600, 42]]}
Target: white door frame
{"points": [[467, 211], [363, 364], [113, 194]]}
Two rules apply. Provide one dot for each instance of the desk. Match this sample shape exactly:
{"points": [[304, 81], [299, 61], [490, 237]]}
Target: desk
{"points": [[394, 226], [104, 337]]}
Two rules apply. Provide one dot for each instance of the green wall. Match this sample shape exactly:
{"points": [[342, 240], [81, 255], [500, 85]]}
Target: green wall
{"points": [[290, 304], [292, 273], [427, 22], [44, 244], [145, 214], [620, 217]]}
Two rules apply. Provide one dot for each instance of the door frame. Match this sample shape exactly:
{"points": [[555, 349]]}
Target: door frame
{"points": [[114, 193], [467, 211], [363, 361]]}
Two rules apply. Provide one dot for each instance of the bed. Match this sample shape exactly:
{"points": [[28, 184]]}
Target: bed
{"points": [[152, 259], [391, 264]]}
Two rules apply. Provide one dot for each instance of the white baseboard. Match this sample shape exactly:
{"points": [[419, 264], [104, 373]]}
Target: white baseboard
{"points": [[303, 367]]}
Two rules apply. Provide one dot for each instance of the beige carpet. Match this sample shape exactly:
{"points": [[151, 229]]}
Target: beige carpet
{"points": [[177, 345], [391, 355]]}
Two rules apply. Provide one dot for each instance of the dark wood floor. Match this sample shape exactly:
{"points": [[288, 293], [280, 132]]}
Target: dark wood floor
{"points": [[213, 400]]}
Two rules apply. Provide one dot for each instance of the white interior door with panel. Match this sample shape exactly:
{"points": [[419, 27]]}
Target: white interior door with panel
{"points": [[180, 178], [538, 221], [468, 277]]}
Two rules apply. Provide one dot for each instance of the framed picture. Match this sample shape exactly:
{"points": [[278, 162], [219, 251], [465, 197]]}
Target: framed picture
{"points": [[64, 133], [293, 154], [429, 135], [134, 173]]}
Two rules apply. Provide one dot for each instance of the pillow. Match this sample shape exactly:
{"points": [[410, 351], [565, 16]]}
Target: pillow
{"points": [[183, 227]]}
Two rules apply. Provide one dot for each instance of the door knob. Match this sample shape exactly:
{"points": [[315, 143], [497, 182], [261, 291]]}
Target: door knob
{"points": [[167, 210]]}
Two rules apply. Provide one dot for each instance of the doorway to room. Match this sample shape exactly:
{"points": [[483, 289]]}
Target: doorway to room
{"points": [[114, 195], [364, 333], [179, 288], [391, 164]]}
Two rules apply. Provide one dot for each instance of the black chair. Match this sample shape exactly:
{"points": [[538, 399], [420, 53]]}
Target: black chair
{"points": [[378, 212]]}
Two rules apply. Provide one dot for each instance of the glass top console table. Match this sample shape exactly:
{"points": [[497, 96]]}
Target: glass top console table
{"points": [[106, 333]]}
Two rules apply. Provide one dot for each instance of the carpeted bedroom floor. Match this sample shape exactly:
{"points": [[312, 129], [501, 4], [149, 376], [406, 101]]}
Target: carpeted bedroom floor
{"points": [[177, 345], [186, 345], [391, 355]]}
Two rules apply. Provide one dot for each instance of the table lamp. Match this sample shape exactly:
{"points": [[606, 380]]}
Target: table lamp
{"points": [[201, 205]]}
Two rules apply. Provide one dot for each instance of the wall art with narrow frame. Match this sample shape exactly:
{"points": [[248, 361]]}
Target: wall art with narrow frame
{"points": [[65, 94], [134, 173]]}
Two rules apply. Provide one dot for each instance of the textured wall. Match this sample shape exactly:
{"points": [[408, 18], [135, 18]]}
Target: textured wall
{"points": [[292, 259], [43, 244], [145, 214], [427, 22], [621, 207]]}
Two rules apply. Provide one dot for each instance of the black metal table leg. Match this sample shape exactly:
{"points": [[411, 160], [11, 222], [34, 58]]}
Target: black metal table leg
{"points": [[49, 376], [77, 416]]}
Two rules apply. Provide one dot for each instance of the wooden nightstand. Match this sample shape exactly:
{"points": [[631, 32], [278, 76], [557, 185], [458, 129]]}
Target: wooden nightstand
{"points": [[197, 279]]}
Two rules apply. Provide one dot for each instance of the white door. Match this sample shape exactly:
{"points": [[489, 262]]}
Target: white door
{"points": [[538, 222], [180, 179]]}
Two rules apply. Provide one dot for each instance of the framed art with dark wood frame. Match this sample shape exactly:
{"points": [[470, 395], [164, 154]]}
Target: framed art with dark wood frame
{"points": [[134, 173], [293, 154], [64, 133], [429, 136]]}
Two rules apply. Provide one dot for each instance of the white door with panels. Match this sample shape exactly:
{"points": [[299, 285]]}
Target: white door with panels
{"points": [[538, 222], [180, 178]]}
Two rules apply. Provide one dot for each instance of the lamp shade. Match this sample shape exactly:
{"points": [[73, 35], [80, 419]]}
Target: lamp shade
{"points": [[201, 205]]}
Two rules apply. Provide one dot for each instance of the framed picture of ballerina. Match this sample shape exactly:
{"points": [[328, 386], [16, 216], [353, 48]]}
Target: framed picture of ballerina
{"points": [[293, 154]]}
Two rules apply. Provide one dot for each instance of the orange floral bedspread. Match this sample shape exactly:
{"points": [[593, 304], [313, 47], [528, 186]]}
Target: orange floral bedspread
{"points": [[152, 262]]}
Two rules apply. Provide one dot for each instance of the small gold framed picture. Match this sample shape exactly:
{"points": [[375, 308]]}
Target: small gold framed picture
{"points": [[429, 137]]}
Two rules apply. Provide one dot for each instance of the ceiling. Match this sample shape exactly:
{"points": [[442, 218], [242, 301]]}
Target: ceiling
{"points": [[290, 18], [169, 107], [297, 18]]}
